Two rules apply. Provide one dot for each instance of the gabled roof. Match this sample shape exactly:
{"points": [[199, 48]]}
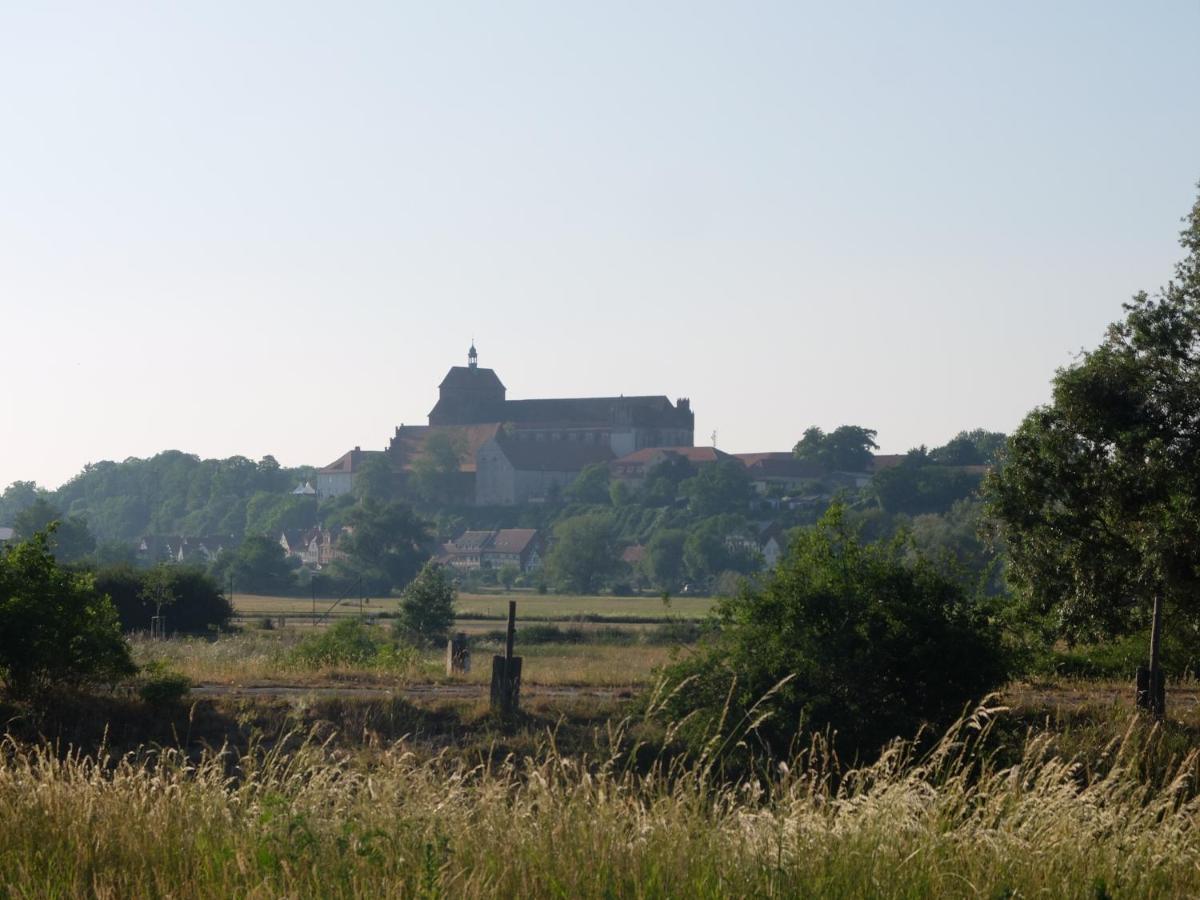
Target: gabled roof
{"points": [[349, 462], [409, 442], [553, 456], [786, 467], [470, 541], [513, 540], [881, 461], [648, 456]]}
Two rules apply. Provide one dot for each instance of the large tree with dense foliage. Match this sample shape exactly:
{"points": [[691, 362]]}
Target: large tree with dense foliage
{"points": [[846, 636], [845, 449], [69, 540], [1098, 499], [386, 544], [585, 553], [56, 628]]}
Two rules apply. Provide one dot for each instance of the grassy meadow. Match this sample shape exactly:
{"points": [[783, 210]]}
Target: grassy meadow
{"points": [[992, 809], [384, 777]]}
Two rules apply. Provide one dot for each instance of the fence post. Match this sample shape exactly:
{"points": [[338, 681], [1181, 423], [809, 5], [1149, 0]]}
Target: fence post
{"points": [[506, 670], [458, 656]]}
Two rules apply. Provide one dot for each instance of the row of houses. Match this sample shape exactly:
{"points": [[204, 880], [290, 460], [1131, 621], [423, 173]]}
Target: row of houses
{"points": [[519, 547], [154, 549]]}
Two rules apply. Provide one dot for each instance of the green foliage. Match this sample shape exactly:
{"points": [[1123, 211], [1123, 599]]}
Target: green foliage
{"points": [[845, 449], [591, 485], [663, 563], [842, 636], [258, 566], [970, 448], [198, 605], [17, 497], [386, 547], [916, 486], [435, 471], [375, 480], [1098, 497], [661, 486], [720, 487], [171, 493], [272, 514], [427, 606], [70, 539], [158, 686], [350, 643], [718, 544], [508, 575], [585, 553], [56, 629]]}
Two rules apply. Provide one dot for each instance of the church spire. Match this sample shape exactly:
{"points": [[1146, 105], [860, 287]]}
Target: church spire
{"points": [[473, 356]]}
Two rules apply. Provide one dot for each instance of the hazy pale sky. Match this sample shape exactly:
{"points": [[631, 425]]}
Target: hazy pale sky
{"points": [[250, 228]]}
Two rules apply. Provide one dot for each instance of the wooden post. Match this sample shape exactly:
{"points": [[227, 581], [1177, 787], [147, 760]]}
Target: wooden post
{"points": [[458, 657], [506, 670], [1151, 684]]}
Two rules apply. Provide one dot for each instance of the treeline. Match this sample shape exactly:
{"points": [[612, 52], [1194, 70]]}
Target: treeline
{"points": [[700, 527], [174, 493]]}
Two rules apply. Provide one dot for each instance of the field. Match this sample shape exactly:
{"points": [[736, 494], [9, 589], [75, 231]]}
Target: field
{"points": [[278, 777], [474, 607]]}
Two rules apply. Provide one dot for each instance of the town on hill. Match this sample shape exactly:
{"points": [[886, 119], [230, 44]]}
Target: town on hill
{"points": [[587, 493]]}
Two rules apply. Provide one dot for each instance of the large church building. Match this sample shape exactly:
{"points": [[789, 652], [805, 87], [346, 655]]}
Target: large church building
{"points": [[518, 451]]}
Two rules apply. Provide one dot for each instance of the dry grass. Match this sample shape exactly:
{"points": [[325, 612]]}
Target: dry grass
{"points": [[530, 606], [256, 656], [309, 822]]}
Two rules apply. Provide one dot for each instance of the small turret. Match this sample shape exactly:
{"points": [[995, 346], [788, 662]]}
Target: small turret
{"points": [[472, 357]]}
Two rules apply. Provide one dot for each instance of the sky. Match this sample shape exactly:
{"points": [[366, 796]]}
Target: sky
{"points": [[271, 227]]}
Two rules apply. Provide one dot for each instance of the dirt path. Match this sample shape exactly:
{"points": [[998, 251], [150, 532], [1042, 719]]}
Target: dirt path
{"points": [[430, 690]]}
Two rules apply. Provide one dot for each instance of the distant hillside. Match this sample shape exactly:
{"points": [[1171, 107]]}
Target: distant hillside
{"points": [[174, 493]]}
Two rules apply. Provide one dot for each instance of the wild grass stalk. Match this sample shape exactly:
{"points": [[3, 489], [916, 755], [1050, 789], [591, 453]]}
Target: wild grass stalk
{"points": [[292, 817]]}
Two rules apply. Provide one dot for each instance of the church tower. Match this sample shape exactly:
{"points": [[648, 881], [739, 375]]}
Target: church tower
{"points": [[469, 395]]}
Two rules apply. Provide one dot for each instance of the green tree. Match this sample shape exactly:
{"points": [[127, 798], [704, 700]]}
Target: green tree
{"points": [[427, 606], [508, 575], [56, 629], [1098, 497], [16, 497], [272, 514], [718, 544], [69, 541], [720, 487], [585, 553], [845, 636], [199, 606], [435, 471], [845, 449], [591, 485], [969, 448], [661, 485], [663, 563], [387, 543], [917, 486], [258, 566], [375, 479]]}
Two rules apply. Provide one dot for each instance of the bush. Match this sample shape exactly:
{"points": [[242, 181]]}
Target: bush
{"points": [[161, 687], [842, 636], [350, 643], [56, 628], [198, 606], [427, 606]]}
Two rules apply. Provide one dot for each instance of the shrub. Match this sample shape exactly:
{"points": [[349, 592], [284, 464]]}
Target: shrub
{"points": [[56, 628], [198, 606], [427, 606], [160, 687], [350, 643], [844, 636]]}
